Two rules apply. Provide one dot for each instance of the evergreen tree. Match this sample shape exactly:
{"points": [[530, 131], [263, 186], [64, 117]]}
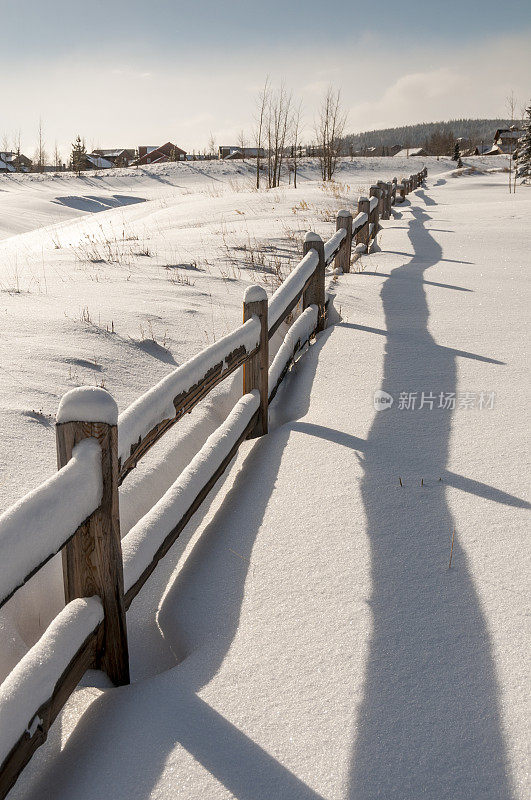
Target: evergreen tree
{"points": [[457, 153], [523, 170], [79, 152]]}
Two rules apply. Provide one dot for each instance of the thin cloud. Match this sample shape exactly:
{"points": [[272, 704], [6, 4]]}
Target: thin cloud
{"points": [[208, 94]]}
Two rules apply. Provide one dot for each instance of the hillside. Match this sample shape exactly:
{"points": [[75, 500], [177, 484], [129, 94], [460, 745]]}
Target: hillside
{"points": [[475, 130]]}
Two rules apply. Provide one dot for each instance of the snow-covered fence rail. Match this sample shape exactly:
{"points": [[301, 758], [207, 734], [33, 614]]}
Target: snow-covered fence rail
{"points": [[56, 509], [77, 510], [155, 412]]}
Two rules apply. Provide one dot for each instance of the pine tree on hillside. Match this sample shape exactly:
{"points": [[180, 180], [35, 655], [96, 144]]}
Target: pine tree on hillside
{"points": [[457, 153], [79, 152], [523, 169]]}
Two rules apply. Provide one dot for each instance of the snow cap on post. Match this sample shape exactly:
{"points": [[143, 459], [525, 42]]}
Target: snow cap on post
{"points": [[363, 199], [344, 213], [87, 404], [312, 237], [254, 294]]}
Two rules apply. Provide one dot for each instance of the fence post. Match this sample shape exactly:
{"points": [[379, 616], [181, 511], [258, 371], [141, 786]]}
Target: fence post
{"points": [[256, 370], [382, 205], [315, 293], [389, 187], [393, 191], [362, 235], [375, 213], [92, 559], [342, 260], [403, 189], [381, 200], [413, 185]]}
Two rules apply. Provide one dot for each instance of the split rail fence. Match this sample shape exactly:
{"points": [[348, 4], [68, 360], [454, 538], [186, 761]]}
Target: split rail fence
{"points": [[76, 512]]}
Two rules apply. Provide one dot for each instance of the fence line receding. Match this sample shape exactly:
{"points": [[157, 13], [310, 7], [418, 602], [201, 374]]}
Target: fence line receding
{"points": [[76, 512]]}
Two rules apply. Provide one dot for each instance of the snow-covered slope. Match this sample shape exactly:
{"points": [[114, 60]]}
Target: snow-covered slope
{"points": [[306, 638]]}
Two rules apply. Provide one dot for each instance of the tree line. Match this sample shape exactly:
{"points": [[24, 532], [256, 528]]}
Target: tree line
{"points": [[438, 138]]}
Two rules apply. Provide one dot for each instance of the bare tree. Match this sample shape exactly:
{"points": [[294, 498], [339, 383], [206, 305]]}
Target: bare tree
{"points": [[56, 157], [278, 117], [212, 145], [274, 121], [242, 142], [40, 153], [16, 147], [261, 125], [295, 136], [510, 105], [5, 143], [329, 129]]}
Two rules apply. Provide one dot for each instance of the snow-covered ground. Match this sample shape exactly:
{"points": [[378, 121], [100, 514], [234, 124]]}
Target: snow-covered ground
{"points": [[305, 637]]}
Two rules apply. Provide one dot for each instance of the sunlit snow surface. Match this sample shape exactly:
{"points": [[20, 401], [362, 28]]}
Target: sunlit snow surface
{"points": [[305, 637]]}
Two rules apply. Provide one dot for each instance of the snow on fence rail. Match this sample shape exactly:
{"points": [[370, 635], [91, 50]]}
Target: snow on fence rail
{"points": [[76, 511], [55, 509]]}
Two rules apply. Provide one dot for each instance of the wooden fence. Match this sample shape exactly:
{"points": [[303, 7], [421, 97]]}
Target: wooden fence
{"points": [[77, 510]]}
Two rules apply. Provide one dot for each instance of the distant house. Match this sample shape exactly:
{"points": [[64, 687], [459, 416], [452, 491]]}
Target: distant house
{"points": [[505, 141], [13, 162], [119, 157], [234, 155], [406, 152], [482, 149], [228, 152], [380, 151], [95, 161], [159, 155]]}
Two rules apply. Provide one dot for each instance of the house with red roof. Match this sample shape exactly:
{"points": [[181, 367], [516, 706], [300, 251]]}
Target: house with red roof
{"points": [[159, 155]]}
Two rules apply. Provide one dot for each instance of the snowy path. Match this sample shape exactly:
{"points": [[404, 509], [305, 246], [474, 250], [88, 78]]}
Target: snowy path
{"points": [[325, 648]]}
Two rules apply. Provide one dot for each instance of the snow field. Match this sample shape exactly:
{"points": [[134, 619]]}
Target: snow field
{"points": [[323, 611]]}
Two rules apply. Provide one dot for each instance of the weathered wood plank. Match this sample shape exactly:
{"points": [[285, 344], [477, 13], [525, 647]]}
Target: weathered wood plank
{"points": [[184, 404], [315, 293], [255, 370], [342, 260], [23, 750], [92, 559]]}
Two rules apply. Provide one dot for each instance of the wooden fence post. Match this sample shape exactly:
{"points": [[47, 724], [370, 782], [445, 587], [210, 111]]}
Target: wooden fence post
{"points": [[389, 187], [362, 235], [393, 191], [315, 293], [92, 559], [375, 213], [381, 200], [403, 189], [256, 370], [382, 186], [342, 260]]}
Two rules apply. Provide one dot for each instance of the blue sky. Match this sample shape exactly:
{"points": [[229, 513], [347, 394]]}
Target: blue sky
{"points": [[122, 72]]}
